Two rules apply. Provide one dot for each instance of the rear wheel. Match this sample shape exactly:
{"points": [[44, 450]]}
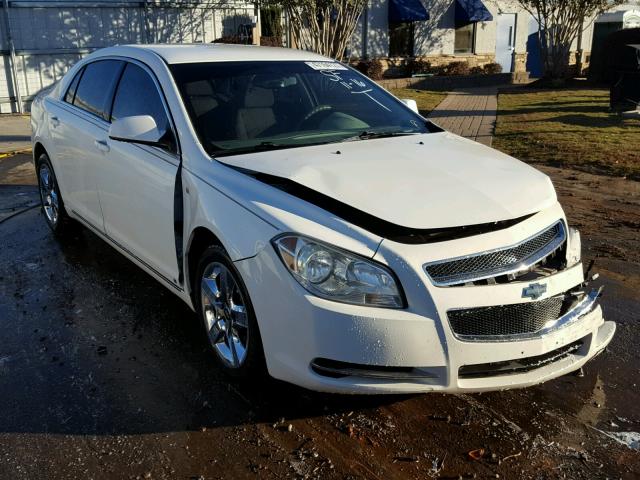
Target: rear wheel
{"points": [[51, 199], [227, 315]]}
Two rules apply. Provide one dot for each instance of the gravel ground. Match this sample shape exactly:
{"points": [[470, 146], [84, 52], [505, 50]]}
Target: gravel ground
{"points": [[103, 374]]}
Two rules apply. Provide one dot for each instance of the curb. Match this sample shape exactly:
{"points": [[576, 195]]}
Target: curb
{"points": [[14, 152]]}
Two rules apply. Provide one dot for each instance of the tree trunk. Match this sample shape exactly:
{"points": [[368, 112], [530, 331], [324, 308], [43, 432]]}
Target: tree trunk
{"points": [[560, 22], [323, 27]]}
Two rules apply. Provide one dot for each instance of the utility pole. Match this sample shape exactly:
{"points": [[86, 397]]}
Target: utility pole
{"points": [[12, 53]]}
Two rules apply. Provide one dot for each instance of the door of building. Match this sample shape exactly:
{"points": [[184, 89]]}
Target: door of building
{"points": [[506, 41]]}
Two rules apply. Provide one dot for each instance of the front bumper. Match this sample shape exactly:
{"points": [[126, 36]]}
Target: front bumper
{"points": [[328, 346]]}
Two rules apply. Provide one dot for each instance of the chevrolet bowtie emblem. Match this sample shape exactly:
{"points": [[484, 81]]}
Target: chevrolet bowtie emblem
{"points": [[533, 291]]}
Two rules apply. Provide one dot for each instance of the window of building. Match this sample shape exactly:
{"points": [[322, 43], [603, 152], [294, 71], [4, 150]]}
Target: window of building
{"points": [[465, 38], [401, 39]]}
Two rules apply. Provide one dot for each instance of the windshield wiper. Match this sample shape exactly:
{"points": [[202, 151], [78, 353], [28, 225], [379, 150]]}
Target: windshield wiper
{"points": [[367, 135], [260, 147]]}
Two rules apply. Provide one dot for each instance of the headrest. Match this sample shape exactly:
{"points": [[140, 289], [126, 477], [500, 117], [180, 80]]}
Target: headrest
{"points": [[258, 97], [201, 87]]}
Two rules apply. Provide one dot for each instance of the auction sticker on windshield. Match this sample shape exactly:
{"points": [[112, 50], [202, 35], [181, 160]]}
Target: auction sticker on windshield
{"points": [[326, 66]]}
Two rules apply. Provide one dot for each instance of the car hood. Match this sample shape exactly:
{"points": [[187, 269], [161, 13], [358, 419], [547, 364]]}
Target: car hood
{"points": [[429, 181]]}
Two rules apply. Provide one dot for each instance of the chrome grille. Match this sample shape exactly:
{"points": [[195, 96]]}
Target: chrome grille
{"points": [[501, 320], [497, 262]]}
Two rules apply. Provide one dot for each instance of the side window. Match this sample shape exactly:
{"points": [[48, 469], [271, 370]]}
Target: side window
{"points": [[71, 91], [137, 94], [96, 87]]}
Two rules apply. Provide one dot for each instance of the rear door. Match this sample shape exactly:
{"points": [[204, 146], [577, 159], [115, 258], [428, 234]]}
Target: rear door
{"points": [[137, 182], [78, 125]]}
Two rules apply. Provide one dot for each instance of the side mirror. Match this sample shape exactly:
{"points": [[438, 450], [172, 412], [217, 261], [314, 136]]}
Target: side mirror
{"points": [[137, 129], [411, 104]]}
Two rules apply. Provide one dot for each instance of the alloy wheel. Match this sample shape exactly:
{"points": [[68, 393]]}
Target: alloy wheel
{"points": [[225, 314], [48, 194]]}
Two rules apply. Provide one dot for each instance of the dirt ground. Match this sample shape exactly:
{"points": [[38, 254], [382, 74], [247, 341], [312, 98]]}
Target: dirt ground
{"points": [[103, 374]]}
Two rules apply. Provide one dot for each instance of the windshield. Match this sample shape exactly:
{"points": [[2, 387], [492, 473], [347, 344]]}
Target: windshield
{"points": [[240, 107]]}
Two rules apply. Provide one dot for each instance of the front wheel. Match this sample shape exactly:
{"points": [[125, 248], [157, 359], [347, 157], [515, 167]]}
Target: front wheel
{"points": [[227, 315]]}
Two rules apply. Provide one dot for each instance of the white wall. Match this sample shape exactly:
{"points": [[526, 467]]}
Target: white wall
{"points": [[376, 18], [435, 37], [50, 40]]}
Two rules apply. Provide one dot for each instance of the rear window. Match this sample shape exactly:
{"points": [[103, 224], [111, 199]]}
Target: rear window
{"points": [[71, 91], [96, 87]]}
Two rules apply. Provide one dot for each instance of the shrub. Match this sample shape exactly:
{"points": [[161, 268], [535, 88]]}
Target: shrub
{"points": [[477, 71], [271, 41], [457, 68], [230, 39], [417, 65], [371, 68], [492, 68], [439, 70]]}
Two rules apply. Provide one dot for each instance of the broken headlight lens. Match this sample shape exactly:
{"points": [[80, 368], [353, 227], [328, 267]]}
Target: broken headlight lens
{"points": [[334, 274], [574, 247]]}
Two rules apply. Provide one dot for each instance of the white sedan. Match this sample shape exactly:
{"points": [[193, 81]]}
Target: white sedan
{"points": [[323, 230]]}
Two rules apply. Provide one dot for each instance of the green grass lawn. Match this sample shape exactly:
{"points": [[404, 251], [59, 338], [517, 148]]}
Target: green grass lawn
{"points": [[425, 99], [568, 128]]}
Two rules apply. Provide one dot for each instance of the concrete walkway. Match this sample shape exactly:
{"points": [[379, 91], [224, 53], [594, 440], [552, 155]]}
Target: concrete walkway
{"points": [[15, 133], [470, 113]]}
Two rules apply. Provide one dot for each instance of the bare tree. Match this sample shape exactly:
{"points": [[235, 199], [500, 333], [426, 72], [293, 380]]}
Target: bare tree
{"points": [[322, 26], [560, 22]]}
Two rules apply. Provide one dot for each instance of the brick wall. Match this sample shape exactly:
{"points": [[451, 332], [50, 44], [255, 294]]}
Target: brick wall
{"points": [[396, 67], [445, 83]]}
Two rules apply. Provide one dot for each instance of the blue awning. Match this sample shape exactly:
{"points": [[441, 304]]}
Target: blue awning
{"points": [[407, 11], [468, 11]]}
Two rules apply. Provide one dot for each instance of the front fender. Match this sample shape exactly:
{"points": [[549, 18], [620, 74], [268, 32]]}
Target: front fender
{"points": [[242, 233]]}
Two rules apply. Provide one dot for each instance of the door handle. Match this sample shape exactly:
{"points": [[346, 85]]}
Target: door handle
{"points": [[102, 145], [55, 121]]}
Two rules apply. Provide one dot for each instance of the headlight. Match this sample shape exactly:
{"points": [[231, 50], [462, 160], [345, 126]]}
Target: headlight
{"points": [[337, 275], [574, 247]]}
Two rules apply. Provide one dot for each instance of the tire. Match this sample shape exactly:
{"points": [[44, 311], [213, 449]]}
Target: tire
{"points": [[51, 199], [222, 301]]}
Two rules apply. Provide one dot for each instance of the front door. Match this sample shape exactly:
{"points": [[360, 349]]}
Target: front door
{"points": [[506, 41], [137, 182]]}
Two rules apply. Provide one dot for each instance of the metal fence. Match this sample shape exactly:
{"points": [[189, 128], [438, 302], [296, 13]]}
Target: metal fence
{"points": [[41, 40]]}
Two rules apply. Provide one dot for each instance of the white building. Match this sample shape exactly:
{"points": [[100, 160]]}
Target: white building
{"points": [[476, 31]]}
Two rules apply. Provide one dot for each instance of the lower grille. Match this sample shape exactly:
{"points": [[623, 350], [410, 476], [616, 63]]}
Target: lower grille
{"points": [[499, 320], [521, 365]]}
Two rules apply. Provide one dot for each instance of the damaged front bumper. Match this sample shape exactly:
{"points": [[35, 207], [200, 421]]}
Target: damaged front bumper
{"points": [[328, 346]]}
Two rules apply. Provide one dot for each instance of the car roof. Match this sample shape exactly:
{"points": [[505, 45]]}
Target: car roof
{"points": [[221, 52]]}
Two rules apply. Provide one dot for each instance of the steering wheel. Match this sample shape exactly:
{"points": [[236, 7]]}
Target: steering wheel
{"points": [[317, 110]]}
